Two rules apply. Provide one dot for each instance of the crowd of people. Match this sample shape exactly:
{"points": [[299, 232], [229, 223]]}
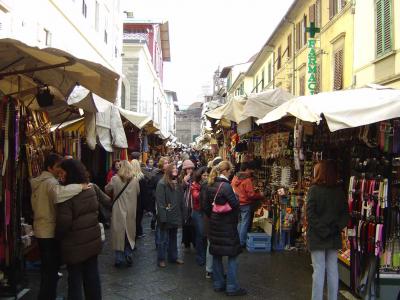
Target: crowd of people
{"points": [[191, 201]]}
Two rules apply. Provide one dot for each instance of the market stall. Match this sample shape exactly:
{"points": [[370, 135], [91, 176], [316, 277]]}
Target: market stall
{"points": [[34, 85], [360, 129]]}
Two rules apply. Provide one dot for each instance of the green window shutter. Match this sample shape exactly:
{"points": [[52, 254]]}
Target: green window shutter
{"points": [[379, 29], [383, 27], [387, 25]]}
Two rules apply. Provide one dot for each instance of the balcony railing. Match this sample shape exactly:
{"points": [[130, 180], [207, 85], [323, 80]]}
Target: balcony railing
{"points": [[136, 37]]}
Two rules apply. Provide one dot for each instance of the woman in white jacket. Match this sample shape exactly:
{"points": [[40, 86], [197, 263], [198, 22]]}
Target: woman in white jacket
{"points": [[125, 190]]}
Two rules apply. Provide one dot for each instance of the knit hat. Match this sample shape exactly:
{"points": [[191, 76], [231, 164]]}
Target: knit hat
{"points": [[187, 164]]}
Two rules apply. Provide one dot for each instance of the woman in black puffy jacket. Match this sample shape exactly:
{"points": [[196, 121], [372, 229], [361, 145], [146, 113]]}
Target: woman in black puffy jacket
{"points": [[223, 232]]}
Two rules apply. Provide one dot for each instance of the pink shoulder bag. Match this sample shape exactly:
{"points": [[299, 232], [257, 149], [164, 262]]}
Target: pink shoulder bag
{"points": [[220, 209]]}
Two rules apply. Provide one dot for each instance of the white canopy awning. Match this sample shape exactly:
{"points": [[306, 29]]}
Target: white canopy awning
{"points": [[139, 120], [342, 109], [24, 68], [253, 106]]}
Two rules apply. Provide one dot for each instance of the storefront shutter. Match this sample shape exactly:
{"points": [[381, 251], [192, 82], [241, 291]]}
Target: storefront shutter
{"points": [[338, 74]]}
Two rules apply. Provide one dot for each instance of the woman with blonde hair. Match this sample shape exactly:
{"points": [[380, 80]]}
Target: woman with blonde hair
{"points": [[222, 207], [143, 196], [125, 189]]}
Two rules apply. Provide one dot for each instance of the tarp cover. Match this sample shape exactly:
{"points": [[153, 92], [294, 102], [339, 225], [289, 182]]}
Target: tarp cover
{"points": [[342, 109]]}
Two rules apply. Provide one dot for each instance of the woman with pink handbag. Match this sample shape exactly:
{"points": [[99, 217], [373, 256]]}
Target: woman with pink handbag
{"points": [[222, 208]]}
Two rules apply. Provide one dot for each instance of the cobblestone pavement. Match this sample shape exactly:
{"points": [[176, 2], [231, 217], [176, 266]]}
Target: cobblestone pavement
{"points": [[279, 275]]}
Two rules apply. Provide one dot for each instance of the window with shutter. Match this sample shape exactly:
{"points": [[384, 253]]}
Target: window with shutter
{"points": [[298, 36], [311, 13], [289, 46], [279, 64], [318, 13], [302, 85], [332, 12], [304, 30], [318, 77], [338, 71], [383, 27]]}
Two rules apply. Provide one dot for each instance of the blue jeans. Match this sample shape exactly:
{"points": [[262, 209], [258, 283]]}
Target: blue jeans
{"points": [[201, 246], [167, 243], [232, 284], [209, 259], [121, 256], [325, 261], [243, 227]]}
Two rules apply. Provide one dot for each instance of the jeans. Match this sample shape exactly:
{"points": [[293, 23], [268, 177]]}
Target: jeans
{"points": [[124, 256], [50, 262], [232, 284], [179, 238], [86, 272], [167, 243], [209, 259], [243, 227], [325, 261], [201, 246]]}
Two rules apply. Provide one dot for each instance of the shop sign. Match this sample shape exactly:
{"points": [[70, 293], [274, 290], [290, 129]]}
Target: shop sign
{"points": [[312, 59], [312, 67]]}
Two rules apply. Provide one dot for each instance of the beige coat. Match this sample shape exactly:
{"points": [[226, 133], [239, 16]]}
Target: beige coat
{"points": [[123, 218], [46, 191]]}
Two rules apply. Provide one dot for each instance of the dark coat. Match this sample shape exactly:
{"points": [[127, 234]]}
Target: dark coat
{"points": [[172, 217], [223, 231], [78, 227], [327, 215]]}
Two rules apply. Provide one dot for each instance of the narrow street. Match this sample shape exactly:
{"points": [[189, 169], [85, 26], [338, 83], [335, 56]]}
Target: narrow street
{"points": [[279, 275]]}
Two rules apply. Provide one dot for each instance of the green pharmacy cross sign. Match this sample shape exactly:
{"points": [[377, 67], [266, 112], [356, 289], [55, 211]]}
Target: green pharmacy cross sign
{"points": [[312, 30], [312, 59]]}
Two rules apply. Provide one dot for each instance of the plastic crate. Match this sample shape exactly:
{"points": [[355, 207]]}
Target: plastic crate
{"points": [[258, 242]]}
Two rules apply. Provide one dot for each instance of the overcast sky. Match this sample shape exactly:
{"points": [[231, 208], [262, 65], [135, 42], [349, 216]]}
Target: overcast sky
{"points": [[205, 34]]}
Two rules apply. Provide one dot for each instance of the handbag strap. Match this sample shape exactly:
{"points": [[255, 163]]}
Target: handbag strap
{"points": [[216, 194], [120, 193]]}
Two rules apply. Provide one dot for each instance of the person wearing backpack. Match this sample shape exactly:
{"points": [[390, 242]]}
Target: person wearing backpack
{"points": [[222, 208], [125, 189]]}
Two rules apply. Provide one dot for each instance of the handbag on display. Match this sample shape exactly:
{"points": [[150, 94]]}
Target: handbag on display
{"points": [[220, 209]]}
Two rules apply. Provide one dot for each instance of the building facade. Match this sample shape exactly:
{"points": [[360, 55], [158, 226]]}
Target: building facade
{"points": [[90, 30], [377, 43], [145, 49], [188, 123]]}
